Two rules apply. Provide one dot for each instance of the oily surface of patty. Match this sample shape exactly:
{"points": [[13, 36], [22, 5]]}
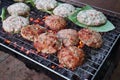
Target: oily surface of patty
{"points": [[91, 17], [45, 4], [31, 32], [18, 9], [71, 57], [47, 43], [55, 22], [90, 38], [64, 10], [69, 37], [14, 23]]}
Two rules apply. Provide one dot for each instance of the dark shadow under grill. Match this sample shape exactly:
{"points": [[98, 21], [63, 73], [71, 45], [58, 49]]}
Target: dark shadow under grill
{"points": [[94, 60]]}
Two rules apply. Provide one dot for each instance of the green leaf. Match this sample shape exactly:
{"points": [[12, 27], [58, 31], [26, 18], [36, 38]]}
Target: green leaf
{"points": [[108, 26], [73, 17], [30, 1], [59, 3], [48, 11], [87, 7], [3, 14], [103, 28]]}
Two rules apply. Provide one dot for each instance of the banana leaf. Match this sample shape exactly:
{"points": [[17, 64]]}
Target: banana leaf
{"points": [[108, 26], [3, 14], [30, 2]]}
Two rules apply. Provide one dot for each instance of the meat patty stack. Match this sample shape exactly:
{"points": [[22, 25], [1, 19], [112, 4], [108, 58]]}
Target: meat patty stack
{"points": [[56, 38], [16, 21]]}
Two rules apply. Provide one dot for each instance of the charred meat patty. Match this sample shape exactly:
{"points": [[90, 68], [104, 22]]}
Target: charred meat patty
{"points": [[47, 43], [90, 38], [55, 22], [69, 37], [71, 57], [31, 32]]}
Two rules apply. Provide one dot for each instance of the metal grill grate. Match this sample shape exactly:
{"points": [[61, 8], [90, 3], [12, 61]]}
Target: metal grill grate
{"points": [[95, 57]]}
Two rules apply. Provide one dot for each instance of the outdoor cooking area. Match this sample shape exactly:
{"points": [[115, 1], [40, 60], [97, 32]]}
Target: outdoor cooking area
{"points": [[59, 40]]}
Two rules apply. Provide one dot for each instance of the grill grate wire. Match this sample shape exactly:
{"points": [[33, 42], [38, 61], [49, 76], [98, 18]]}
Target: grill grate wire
{"points": [[94, 60]]}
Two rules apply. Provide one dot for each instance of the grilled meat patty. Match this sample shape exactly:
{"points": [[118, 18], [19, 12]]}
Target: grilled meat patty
{"points": [[69, 37], [90, 38], [14, 23], [18, 9], [31, 32], [91, 17], [55, 22], [64, 10], [47, 43], [71, 57], [45, 4]]}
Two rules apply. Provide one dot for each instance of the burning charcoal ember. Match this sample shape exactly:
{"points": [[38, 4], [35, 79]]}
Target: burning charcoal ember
{"points": [[81, 45], [22, 48], [7, 41], [27, 52]]}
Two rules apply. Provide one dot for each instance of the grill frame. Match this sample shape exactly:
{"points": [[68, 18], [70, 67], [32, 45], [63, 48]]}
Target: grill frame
{"points": [[72, 75]]}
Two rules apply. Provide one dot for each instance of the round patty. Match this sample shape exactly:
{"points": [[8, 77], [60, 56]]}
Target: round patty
{"points": [[90, 38], [31, 32], [55, 22], [91, 17], [14, 23], [47, 43], [64, 10], [71, 57], [18, 9], [69, 37], [45, 4]]}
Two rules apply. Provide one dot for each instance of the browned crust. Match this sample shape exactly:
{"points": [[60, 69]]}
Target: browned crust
{"points": [[71, 57], [31, 32], [90, 38], [55, 22]]}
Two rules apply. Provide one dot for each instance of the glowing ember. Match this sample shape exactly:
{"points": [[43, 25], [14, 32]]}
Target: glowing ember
{"points": [[60, 65], [36, 21], [53, 67], [81, 45], [7, 41], [41, 22], [32, 51], [22, 48], [45, 17], [31, 19], [46, 56], [27, 52], [15, 44]]}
